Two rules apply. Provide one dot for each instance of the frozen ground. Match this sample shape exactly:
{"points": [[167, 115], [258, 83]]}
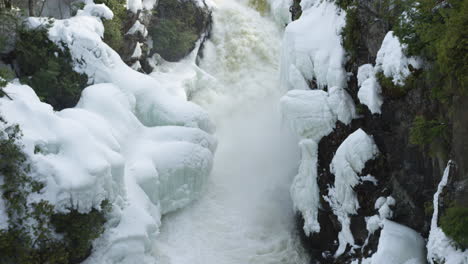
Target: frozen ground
{"points": [[245, 214]]}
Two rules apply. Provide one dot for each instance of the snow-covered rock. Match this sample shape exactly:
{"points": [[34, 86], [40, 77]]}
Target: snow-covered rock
{"points": [[399, 244], [131, 140], [312, 47], [348, 162], [392, 61], [370, 92]]}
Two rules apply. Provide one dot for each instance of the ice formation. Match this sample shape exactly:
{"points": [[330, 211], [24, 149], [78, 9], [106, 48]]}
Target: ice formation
{"points": [[312, 53], [440, 248], [348, 162], [304, 189], [312, 49], [392, 61], [311, 115], [370, 92], [131, 139], [308, 113]]}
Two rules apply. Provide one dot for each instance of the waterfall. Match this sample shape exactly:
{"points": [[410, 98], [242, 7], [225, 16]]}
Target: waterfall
{"points": [[245, 214]]}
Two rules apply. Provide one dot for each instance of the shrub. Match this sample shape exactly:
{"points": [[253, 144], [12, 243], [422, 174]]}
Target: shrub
{"points": [[80, 230], [351, 34], [437, 31], [424, 131], [30, 237], [114, 28], [454, 223], [176, 28], [48, 69]]}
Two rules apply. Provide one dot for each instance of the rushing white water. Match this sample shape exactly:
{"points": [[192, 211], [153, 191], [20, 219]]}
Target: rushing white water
{"points": [[245, 215]]}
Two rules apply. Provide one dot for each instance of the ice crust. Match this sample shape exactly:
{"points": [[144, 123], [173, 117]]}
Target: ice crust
{"points": [[132, 139]]}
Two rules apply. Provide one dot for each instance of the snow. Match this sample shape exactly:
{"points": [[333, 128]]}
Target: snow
{"points": [[313, 113], [155, 105], [348, 162], [399, 244], [382, 204], [304, 189], [136, 5], [341, 104], [137, 51], [440, 248], [392, 61], [370, 92], [138, 28], [312, 45], [132, 139]]}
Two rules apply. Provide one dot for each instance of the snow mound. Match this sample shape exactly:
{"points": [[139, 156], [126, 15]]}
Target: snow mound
{"points": [[304, 189], [440, 248], [370, 92], [131, 139], [312, 49], [155, 105], [392, 61], [348, 162], [399, 244]]}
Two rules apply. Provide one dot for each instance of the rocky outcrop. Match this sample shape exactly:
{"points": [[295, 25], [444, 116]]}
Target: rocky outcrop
{"points": [[409, 173], [170, 30]]}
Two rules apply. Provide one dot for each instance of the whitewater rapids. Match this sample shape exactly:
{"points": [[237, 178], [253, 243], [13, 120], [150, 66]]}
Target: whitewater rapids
{"points": [[245, 214]]}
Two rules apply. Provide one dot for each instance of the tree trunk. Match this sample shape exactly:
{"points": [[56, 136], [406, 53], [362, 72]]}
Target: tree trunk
{"points": [[31, 7]]}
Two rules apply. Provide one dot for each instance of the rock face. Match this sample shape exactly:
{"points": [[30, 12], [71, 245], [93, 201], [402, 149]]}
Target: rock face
{"points": [[408, 173], [171, 29]]}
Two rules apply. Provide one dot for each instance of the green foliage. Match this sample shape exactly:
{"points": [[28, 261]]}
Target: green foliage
{"points": [[425, 132], [176, 28], [454, 223], [6, 75], [438, 31], [114, 28], [30, 237], [48, 69], [344, 4], [80, 230], [351, 34]]}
